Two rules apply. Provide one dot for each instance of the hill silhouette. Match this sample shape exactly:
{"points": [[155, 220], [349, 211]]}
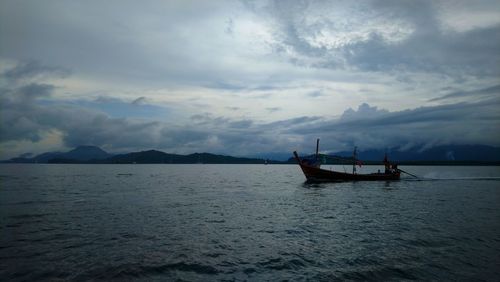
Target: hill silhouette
{"points": [[80, 153], [439, 155], [445, 155], [155, 157], [95, 155]]}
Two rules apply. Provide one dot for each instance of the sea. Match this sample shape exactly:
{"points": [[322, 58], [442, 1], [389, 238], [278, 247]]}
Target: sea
{"points": [[246, 223]]}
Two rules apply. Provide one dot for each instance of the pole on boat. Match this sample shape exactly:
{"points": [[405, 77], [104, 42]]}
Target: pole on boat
{"points": [[317, 149], [408, 173], [354, 155], [296, 156]]}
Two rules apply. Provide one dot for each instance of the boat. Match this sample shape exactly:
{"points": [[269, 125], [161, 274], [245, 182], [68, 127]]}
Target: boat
{"points": [[314, 173]]}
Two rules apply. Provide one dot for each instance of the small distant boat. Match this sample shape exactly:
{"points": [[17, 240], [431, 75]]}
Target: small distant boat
{"points": [[314, 173]]}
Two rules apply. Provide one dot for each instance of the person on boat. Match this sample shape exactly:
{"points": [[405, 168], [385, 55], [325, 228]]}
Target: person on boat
{"points": [[394, 168], [387, 165]]}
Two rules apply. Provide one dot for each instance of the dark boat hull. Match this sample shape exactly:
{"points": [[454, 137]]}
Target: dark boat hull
{"points": [[314, 174]]}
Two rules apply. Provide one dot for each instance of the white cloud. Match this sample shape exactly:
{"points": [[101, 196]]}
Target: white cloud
{"points": [[461, 16]]}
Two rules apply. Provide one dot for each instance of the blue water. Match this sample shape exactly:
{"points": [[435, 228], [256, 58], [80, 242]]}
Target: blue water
{"points": [[245, 222]]}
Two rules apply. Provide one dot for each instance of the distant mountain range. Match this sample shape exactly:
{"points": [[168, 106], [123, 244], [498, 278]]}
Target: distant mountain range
{"points": [[95, 155], [79, 154], [438, 153], [446, 154], [158, 157], [449, 154]]}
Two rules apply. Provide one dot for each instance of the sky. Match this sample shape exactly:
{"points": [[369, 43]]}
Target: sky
{"points": [[248, 78]]}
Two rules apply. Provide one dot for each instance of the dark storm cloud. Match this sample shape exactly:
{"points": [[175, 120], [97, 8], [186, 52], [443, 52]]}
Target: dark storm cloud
{"points": [[364, 112], [117, 107], [473, 52], [33, 91], [106, 100], [493, 91], [161, 43], [427, 48], [29, 110], [32, 68], [460, 123], [371, 43], [140, 101], [18, 117], [241, 124], [292, 27], [102, 130], [367, 127], [290, 123], [26, 116], [165, 43]]}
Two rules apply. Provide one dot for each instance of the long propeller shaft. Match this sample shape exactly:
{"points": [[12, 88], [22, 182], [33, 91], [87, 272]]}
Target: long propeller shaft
{"points": [[408, 173]]}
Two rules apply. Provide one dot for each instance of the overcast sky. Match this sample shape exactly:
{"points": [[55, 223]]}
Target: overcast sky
{"points": [[247, 77]]}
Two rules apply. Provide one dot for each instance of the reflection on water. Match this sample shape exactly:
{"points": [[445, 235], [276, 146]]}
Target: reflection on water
{"points": [[245, 222]]}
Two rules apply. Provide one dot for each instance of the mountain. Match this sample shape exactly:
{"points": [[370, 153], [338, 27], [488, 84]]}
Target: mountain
{"points": [[45, 157], [80, 153], [85, 153], [92, 154], [444, 153], [42, 158], [155, 157], [151, 156], [276, 156], [449, 154]]}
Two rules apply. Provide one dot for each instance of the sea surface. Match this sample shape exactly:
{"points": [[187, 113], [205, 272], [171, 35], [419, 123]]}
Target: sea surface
{"points": [[245, 222]]}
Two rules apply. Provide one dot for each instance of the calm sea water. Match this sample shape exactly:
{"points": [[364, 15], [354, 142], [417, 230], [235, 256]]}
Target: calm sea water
{"points": [[245, 222]]}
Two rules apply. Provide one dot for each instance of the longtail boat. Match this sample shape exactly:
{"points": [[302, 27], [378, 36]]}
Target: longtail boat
{"points": [[314, 173]]}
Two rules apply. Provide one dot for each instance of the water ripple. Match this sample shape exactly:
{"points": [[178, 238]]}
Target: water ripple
{"points": [[237, 223]]}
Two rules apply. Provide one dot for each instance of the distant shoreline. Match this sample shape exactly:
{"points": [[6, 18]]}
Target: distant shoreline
{"points": [[462, 156], [406, 163]]}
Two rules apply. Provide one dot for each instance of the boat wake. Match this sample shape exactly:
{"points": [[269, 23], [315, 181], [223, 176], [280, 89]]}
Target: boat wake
{"points": [[492, 178]]}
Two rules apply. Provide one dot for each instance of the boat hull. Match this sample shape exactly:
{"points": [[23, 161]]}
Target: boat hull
{"points": [[316, 174]]}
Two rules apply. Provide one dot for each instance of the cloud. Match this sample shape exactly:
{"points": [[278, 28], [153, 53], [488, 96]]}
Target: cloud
{"points": [[32, 112], [141, 107], [459, 123], [382, 36], [249, 76], [27, 116], [456, 54], [489, 92], [140, 101], [287, 124], [364, 111], [230, 26], [17, 119], [273, 109], [241, 124], [32, 68], [315, 94], [33, 91], [232, 108]]}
